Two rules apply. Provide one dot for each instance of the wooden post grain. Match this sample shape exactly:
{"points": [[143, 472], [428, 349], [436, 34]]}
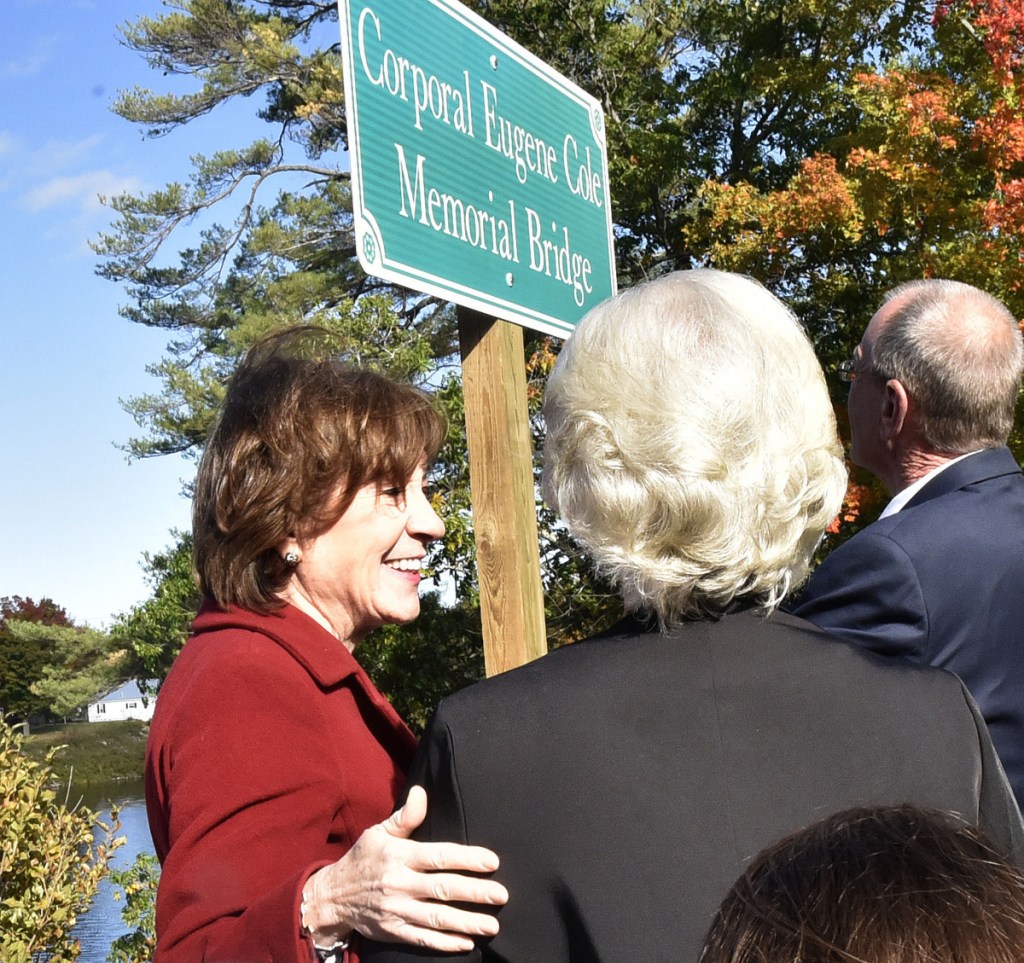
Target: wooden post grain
{"points": [[501, 477]]}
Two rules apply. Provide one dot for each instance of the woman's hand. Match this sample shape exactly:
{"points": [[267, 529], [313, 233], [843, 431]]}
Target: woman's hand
{"points": [[393, 889]]}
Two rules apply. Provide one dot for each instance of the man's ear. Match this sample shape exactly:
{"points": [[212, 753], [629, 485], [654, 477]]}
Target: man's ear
{"points": [[895, 409]]}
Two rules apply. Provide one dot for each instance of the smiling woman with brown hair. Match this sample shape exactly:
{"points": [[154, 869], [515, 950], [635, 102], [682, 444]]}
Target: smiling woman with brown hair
{"points": [[273, 761]]}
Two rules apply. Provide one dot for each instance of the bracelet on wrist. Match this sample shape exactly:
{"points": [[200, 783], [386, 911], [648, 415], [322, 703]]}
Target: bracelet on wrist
{"points": [[331, 954], [326, 954]]}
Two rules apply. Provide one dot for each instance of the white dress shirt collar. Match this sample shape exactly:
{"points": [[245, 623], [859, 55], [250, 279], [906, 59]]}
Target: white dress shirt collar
{"points": [[900, 499]]}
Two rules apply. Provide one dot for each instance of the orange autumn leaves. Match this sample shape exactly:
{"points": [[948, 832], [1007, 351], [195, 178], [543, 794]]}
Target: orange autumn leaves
{"points": [[934, 170], [866, 500], [930, 182], [742, 224]]}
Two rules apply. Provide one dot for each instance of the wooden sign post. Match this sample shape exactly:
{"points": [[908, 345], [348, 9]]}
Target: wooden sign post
{"points": [[479, 175], [504, 504]]}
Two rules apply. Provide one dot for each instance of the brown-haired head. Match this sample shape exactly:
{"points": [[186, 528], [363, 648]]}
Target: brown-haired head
{"points": [[296, 438], [876, 885]]}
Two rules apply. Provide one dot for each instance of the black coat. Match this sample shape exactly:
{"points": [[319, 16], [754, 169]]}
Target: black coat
{"points": [[626, 780]]}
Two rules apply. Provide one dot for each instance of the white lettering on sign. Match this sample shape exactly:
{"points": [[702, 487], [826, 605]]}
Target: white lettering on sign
{"points": [[451, 215], [530, 154], [522, 169], [583, 180], [557, 259], [429, 94]]}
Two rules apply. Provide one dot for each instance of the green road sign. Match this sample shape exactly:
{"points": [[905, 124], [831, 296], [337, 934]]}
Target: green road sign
{"points": [[479, 174]]}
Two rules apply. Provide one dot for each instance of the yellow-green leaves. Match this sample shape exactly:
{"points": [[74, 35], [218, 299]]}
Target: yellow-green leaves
{"points": [[50, 865]]}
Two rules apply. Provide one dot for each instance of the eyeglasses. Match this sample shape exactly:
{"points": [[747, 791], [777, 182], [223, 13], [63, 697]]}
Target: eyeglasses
{"points": [[848, 371]]}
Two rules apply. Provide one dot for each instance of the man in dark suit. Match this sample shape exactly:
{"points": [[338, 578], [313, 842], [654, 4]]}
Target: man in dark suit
{"points": [[625, 780], [939, 578]]}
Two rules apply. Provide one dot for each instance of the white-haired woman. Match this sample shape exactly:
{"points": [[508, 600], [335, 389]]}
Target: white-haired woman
{"points": [[692, 447], [625, 780]]}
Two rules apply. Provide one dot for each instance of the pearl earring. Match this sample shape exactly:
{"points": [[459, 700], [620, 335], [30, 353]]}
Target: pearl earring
{"points": [[291, 558]]}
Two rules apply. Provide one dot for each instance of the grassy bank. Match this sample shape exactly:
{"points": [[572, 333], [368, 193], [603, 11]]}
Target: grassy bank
{"points": [[97, 752]]}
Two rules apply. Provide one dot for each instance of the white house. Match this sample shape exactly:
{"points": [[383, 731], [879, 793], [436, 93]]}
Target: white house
{"points": [[125, 702]]}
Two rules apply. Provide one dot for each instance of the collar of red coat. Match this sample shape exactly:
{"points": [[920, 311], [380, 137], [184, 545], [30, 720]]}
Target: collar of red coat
{"points": [[323, 656], [308, 642]]}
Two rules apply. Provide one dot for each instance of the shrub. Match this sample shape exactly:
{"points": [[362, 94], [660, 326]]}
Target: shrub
{"points": [[50, 862], [138, 885]]}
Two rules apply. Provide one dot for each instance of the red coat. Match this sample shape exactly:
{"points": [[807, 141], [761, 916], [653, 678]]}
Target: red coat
{"points": [[269, 753]]}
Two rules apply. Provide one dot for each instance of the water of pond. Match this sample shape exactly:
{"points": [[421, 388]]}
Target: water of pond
{"points": [[102, 924]]}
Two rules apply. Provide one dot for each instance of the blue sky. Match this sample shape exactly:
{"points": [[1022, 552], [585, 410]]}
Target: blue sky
{"points": [[77, 516]]}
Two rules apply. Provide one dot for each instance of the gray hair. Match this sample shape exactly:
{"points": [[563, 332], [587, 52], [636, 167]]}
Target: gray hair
{"points": [[691, 444], [959, 354]]}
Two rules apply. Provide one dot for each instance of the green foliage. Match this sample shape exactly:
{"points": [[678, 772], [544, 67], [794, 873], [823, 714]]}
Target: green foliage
{"points": [[50, 865], [91, 753], [154, 632], [694, 91], [23, 662], [927, 182], [417, 665], [137, 885], [82, 663], [734, 91]]}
